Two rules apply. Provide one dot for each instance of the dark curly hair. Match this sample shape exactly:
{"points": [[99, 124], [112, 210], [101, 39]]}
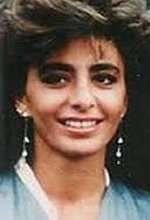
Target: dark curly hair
{"points": [[33, 30]]}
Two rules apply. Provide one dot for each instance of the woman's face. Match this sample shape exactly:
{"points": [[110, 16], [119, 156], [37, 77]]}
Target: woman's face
{"points": [[78, 97]]}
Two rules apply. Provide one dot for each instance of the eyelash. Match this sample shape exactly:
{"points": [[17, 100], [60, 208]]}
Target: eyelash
{"points": [[55, 79], [58, 79], [104, 79]]}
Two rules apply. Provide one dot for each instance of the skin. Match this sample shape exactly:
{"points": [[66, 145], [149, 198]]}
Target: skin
{"points": [[90, 84]]}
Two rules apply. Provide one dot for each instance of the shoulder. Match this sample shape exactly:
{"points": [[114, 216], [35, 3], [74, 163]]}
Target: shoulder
{"points": [[132, 198], [7, 195], [122, 201], [127, 190], [16, 201], [8, 182], [11, 189]]}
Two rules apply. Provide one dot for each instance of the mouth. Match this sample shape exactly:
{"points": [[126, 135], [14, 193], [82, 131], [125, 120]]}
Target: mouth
{"points": [[80, 123]]}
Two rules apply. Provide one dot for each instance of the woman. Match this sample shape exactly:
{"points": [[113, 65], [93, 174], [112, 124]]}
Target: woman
{"points": [[69, 68]]}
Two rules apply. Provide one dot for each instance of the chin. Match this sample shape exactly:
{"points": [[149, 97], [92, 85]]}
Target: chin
{"points": [[77, 151], [76, 154]]}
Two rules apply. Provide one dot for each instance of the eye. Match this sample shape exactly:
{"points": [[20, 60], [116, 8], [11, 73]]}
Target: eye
{"points": [[103, 78], [55, 78]]}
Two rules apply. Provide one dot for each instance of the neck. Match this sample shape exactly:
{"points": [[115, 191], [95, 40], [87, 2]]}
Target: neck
{"points": [[68, 179]]}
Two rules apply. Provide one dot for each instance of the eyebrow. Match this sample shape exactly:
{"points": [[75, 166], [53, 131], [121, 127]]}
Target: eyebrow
{"points": [[69, 67], [59, 66], [105, 66]]}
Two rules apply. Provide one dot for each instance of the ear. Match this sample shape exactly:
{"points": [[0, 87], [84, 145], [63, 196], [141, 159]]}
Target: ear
{"points": [[125, 107], [21, 107]]}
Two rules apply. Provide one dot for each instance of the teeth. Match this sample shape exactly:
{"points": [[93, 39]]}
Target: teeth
{"points": [[80, 124]]}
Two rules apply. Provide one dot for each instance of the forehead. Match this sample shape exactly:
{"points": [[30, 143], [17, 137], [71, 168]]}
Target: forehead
{"points": [[89, 49]]}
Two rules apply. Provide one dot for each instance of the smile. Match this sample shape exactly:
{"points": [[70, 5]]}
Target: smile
{"points": [[80, 123]]}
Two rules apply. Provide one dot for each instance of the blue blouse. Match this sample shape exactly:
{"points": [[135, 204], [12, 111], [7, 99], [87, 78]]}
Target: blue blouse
{"points": [[120, 202]]}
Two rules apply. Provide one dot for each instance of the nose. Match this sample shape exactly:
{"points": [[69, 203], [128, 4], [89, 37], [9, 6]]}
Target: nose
{"points": [[82, 98]]}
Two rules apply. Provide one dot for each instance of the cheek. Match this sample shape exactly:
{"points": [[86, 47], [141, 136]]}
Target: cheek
{"points": [[113, 105], [116, 110], [46, 103]]}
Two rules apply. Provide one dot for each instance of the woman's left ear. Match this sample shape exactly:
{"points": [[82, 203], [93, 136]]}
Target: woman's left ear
{"points": [[22, 109], [125, 108], [122, 115]]}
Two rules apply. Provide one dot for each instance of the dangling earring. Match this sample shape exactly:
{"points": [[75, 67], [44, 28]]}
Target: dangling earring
{"points": [[20, 108], [120, 142], [26, 140]]}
